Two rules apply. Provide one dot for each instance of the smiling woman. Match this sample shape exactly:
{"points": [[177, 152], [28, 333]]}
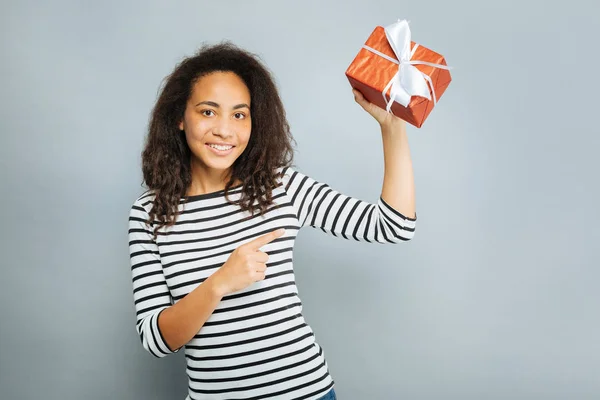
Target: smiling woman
{"points": [[210, 274]]}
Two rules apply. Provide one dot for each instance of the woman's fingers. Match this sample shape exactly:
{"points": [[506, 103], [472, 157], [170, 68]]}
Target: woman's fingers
{"points": [[260, 257]]}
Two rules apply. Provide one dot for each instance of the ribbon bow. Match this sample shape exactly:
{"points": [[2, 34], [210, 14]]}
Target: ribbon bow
{"points": [[408, 81]]}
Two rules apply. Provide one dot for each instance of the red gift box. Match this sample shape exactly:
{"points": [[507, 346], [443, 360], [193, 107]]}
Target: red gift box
{"points": [[372, 71]]}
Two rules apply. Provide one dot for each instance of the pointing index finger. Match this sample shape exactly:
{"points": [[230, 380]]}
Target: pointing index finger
{"points": [[264, 239]]}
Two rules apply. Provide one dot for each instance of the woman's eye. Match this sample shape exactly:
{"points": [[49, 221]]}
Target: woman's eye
{"points": [[207, 111], [240, 115]]}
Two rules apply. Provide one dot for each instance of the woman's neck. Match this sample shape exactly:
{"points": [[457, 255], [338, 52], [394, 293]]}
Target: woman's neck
{"points": [[206, 180]]}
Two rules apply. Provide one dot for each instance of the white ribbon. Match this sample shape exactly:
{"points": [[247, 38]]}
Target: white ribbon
{"points": [[408, 81]]}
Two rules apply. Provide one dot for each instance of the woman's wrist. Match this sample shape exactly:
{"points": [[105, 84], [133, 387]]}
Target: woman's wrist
{"points": [[393, 125], [215, 287]]}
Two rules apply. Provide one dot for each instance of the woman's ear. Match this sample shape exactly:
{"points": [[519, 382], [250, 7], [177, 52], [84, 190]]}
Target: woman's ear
{"points": [[181, 125]]}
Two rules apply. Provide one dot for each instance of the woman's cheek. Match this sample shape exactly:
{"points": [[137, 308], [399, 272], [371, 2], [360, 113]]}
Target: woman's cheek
{"points": [[200, 129]]}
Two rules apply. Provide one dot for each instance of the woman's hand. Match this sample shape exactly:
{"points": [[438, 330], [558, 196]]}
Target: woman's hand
{"points": [[384, 118], [245, 265]]}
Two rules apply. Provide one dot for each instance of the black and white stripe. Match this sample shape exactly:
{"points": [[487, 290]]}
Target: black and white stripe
{"points": [[256, 344]]}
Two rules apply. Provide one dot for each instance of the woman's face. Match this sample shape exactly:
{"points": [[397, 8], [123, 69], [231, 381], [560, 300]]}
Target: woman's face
{"points": [[217, 121]]}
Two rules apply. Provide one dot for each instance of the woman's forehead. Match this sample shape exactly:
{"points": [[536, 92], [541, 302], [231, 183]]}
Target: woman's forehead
{"points": [[222, 88]]}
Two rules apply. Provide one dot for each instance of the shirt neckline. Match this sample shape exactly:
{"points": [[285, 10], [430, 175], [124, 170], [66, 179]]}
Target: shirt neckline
{"points": [[210, 195]]}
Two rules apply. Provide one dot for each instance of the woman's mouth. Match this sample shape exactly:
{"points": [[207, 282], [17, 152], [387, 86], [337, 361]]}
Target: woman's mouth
{"points": [[221, 150]]}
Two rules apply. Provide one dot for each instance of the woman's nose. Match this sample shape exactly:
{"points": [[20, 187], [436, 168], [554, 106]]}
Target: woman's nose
{"points": [[223, 128]]}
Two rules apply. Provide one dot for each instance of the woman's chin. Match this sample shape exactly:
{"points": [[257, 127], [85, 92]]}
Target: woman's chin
{"points": [[222, 164], [215, 162]]}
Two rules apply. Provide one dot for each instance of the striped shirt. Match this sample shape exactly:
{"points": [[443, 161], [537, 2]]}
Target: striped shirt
{"points": [[256, 344]]}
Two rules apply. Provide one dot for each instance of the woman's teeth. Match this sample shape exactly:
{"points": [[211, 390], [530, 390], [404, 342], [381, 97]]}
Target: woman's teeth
{"points": [[222, 148]]}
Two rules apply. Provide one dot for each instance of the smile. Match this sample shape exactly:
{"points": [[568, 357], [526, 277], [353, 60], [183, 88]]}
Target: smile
{"points": [[220, 150]]}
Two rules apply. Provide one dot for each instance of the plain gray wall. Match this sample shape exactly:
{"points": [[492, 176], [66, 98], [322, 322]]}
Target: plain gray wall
{"points": [[497, 295]]}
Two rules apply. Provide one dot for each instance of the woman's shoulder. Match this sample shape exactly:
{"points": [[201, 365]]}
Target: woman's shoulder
{"points": [[291, 174], [144, 201], [287, 172]]}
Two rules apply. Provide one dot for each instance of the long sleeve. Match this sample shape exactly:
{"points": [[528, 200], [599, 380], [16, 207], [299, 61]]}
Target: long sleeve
{"points": [[150, 292], [319, 206]]}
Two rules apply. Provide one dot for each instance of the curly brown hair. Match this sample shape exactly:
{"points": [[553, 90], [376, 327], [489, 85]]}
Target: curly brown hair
{"points": [[166, 156]]}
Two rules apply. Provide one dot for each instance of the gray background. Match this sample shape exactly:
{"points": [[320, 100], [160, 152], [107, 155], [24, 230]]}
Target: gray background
{"points": [[496, 297]]}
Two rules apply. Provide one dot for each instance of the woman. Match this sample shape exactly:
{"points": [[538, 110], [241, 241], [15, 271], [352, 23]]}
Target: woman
{"points": [[213, 271]]}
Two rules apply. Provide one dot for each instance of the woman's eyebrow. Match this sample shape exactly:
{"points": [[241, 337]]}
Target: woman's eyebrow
{"points": [[216, 105]]}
